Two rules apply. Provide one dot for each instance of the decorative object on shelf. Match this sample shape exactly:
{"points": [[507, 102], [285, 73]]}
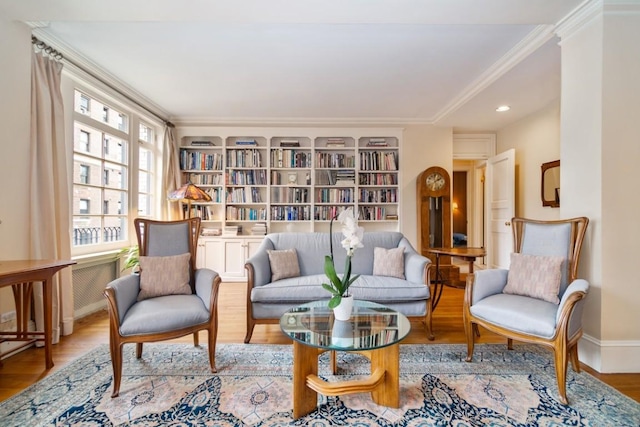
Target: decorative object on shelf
{"points": [[189, 192], [339, 287]]}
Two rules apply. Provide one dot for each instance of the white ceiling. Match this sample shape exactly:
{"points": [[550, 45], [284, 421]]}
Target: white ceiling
{"points": [[443, 62]]}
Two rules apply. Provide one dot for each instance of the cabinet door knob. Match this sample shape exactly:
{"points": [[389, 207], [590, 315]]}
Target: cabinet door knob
{"points": [[508, 224]]}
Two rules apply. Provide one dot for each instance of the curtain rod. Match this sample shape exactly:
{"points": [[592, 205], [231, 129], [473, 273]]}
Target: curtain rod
{"points": [[49, 50]]}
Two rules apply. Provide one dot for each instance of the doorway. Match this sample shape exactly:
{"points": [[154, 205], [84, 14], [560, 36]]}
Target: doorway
{"points": [[459, 208]]}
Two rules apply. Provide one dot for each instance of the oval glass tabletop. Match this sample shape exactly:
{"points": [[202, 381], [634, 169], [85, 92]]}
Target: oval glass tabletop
{"points": [[371, 326]]}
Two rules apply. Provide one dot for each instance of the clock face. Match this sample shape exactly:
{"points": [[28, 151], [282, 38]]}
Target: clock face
{"points": [[435, 181], [293, 178]]}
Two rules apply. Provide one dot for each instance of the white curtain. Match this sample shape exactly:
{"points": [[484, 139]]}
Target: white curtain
{"points": [[172, 179], [50, 217]]}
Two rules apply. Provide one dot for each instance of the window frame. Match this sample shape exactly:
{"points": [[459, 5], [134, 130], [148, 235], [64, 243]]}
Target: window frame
{"points": [[135, 116]]}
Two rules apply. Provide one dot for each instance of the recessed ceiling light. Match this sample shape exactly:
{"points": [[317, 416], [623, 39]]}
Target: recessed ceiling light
{"points": [[503, 108]]}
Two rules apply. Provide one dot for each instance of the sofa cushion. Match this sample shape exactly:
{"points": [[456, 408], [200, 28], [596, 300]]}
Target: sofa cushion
{"points": [[284, 264], [535, 276], [164, 275], [388, 262], [162, 314], [303, 289]]}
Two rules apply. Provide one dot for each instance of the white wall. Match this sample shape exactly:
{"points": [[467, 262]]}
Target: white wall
{"points": [[536, 139], [15, 92], [600, 143]]}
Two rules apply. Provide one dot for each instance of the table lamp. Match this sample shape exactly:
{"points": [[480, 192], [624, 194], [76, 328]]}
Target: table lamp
{"points": [[189, 192]]}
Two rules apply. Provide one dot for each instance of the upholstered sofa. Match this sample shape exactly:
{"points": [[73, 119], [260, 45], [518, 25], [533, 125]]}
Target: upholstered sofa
{"points": [[269, 296]]}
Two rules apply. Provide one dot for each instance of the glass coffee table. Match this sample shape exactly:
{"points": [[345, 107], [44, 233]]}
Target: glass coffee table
{"points": [[373, 330]]}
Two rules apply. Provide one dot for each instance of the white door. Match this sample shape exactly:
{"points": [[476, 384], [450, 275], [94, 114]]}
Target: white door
{"points": [[500, 207]]}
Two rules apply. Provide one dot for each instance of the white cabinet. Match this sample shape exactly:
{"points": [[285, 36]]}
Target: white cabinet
{"points": [[227, 255]]}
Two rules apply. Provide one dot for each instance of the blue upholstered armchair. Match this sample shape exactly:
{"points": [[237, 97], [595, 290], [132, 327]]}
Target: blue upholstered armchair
{"points": [[168, 299], [539, 299]]}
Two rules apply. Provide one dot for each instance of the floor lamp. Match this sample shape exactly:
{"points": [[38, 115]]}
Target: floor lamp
{"points": [[189, 192]]}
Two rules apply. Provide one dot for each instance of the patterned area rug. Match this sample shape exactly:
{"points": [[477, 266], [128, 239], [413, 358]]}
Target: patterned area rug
{"points": [[171, 385]]}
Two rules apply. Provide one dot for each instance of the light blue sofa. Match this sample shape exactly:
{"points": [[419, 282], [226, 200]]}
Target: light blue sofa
{"points": [[267, 301]]}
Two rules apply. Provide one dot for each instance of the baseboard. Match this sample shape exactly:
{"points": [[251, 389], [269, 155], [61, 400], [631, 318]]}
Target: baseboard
{"points": [[89, 309], [609, 357]]}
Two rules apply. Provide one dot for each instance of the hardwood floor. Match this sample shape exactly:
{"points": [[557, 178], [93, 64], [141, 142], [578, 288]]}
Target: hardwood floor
{"points": [[25, 368]]}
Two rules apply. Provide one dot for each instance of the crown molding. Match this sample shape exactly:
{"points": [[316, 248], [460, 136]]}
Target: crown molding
{"points": [[622, 7], [580, 17], [529, 44], [298, 121]]}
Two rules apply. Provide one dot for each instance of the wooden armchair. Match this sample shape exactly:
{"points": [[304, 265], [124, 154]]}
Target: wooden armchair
{"points": [[503, 302], [163, 314]]}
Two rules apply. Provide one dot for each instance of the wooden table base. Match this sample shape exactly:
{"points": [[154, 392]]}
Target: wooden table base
{"points": [[383, 383]]}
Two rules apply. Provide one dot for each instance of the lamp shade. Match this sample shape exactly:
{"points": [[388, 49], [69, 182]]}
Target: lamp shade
{"points": [[189, 191]]}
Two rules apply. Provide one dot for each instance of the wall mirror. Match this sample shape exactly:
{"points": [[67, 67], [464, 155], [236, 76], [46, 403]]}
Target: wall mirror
{"points": [[550, 188]]}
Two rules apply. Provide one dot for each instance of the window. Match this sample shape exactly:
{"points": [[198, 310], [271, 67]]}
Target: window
{"points": [[85, 140], [84, 104], [114, 179], [84, 174], [83, 206]]}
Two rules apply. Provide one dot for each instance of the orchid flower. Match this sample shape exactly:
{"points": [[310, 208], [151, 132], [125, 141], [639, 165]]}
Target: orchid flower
{"points": [[339, 287]]}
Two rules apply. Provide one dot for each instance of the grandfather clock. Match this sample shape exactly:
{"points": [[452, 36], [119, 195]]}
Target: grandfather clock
{"points": [[434, 215]]}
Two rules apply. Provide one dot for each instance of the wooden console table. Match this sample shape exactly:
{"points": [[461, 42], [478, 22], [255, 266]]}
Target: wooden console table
{"points": [[20, 275], [467, 254]]}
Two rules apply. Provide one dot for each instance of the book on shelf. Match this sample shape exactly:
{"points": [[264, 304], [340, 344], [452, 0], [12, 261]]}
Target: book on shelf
{"points": [[231, 230], [203, 142], [391, 217], [247, 141], [335, 142], [259, 229], [377, 142], [289, 143], [210, 232]]}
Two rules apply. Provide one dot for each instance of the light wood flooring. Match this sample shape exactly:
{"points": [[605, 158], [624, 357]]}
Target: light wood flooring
{"points": [[25, 368]]}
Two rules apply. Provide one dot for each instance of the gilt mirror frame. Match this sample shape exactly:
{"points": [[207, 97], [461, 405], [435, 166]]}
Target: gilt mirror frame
{"points": [[550, 184]]}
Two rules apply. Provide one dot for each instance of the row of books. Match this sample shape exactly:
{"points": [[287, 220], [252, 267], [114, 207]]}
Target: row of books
{"points": [[373, 213], [206, 178], [246, 177], [231, 230], [378, 179], [234, 213], [377, 142], [334, 195], [247, 158], [289, 195], [241, 195], [290, 159], [196, 160], [379, 160], [335, 160], [378, 196], [290, 213]]}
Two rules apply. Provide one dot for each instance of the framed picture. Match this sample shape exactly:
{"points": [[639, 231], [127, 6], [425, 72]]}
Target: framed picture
{"points": [[293, 178]]}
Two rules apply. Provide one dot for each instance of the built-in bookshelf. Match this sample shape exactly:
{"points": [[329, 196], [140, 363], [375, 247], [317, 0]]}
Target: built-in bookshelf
{"points": [[292, 179]]}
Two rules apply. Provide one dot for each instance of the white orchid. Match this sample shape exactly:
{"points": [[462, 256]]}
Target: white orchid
{"points": [[339, 287], [352, 232]]}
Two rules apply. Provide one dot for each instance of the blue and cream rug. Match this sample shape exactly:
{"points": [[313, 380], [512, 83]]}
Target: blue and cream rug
{"points": [[172, 385]]}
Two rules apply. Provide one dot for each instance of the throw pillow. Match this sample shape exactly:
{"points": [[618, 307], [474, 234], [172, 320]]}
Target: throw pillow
{"points": [[388, 262], [284, 264], [535, 276], [164, 275]]}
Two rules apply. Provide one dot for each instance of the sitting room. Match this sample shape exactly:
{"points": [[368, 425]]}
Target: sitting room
{"points": [[198, 189]]}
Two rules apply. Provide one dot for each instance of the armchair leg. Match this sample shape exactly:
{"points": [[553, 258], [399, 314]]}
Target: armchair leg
{"points": [[138, 350], [573, 357], [247, 338], [469, 331], [196, 339], [509, 343], [428, 324], [116, 364], [560, 357]]}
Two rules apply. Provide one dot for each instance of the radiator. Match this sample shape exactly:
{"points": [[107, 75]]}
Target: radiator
{"points": [[89, 283]]}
